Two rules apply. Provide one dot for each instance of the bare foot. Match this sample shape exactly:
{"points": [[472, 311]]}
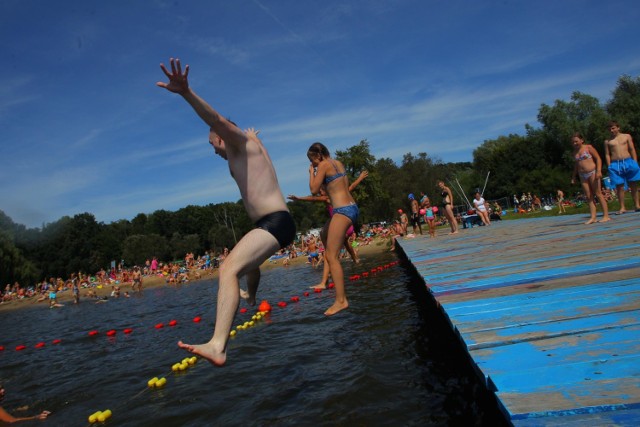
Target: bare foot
{"points": [[605, 219], [454, 232], [319, 286], [620, 212], [206, 351], [591, 221], [251, 299], [336, 308]]}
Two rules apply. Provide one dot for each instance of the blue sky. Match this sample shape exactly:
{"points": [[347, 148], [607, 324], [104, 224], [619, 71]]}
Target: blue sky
{"points": [[83, 128]]}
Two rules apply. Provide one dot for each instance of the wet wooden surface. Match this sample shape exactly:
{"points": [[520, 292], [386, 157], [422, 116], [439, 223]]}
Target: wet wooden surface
{"points": [[549, 311]]}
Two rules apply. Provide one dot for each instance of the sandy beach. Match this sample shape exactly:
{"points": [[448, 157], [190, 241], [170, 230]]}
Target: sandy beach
{"points": [[149, 282]]}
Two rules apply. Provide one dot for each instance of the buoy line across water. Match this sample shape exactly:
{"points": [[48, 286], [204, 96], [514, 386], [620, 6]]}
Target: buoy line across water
{"points": [[158, 382]]}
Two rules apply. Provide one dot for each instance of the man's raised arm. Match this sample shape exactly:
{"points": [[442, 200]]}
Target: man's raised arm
{"points": [[178, 83]]}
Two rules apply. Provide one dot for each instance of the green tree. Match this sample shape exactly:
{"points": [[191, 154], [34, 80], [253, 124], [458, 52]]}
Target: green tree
{"points": [[220, 237], [582, 114], [14, 267], [138, 248], [624, 106], [507, 159], [160, 222], [180, 245]]}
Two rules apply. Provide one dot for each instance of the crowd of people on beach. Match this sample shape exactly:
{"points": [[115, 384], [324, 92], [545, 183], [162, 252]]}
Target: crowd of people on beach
{"points": [[86, 285]]}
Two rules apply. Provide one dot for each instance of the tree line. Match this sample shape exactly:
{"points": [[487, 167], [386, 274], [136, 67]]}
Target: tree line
{"points": [[539, 162]]}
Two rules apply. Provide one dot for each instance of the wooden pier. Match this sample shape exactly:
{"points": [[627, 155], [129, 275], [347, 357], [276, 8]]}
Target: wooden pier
{"points": [[549, 311]]}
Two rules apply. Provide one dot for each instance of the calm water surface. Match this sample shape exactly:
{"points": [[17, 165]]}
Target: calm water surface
{"points": [[388, 360]]}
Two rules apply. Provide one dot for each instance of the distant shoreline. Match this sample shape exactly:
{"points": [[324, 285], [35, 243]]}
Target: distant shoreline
{"points": [[150, 282]]}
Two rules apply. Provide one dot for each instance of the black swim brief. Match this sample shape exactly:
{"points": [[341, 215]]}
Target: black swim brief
{"points": [[415, 219], [281, 225]]}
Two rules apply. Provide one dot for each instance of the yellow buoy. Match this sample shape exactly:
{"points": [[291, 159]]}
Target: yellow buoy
{"points": [[104, 415], [161, 382], [183, 366], [232, 333], [94, 417], [152, 381], [192, 360], [175, 367]]}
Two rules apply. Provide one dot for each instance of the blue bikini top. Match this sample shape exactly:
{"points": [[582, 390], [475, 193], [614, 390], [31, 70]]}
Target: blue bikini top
{"points": [[328, 179]]}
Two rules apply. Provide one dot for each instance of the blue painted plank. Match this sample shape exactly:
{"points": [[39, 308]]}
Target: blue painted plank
{"points": [[614, 416], [613, 343], [532, 277], [542, 297], [532, 309], [498, 265], [532, 332]]}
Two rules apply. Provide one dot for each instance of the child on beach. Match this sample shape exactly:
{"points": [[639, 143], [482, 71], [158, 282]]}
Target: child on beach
{"points": [[589, 166], [430, 219]]}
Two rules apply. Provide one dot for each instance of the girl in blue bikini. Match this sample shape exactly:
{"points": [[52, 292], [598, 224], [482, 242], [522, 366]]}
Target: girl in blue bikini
{"points": [[330, 174]]}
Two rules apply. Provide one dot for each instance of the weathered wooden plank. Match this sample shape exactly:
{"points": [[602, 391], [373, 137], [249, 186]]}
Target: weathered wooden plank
{"points": [[545, 307], [611, 416], [589, 346], [531, 332], [592, 396], [599, 290]]}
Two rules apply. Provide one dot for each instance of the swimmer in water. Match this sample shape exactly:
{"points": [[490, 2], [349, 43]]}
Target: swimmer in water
{"points": [[6, 417]]}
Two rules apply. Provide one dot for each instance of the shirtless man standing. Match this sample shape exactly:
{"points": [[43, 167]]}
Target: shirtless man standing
{"points": [[622, 162], [251, 168], [415, 214], [136, 276]]}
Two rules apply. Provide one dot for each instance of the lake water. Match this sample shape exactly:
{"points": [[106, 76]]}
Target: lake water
{"points": [[389, 359]]}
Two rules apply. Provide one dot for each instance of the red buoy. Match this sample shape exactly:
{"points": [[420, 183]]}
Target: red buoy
{"points": [[197, 319], [160, 326], [306, 294], [282, 304], [56, 341], [111, 333], [127, 331], [264, 306], [21, 347], [295, 298], [243, 310], [40, 345], [173, 323], [93, 333]]}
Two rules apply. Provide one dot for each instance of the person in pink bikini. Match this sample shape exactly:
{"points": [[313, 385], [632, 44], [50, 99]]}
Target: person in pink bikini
{"points": [[588, 165]]}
